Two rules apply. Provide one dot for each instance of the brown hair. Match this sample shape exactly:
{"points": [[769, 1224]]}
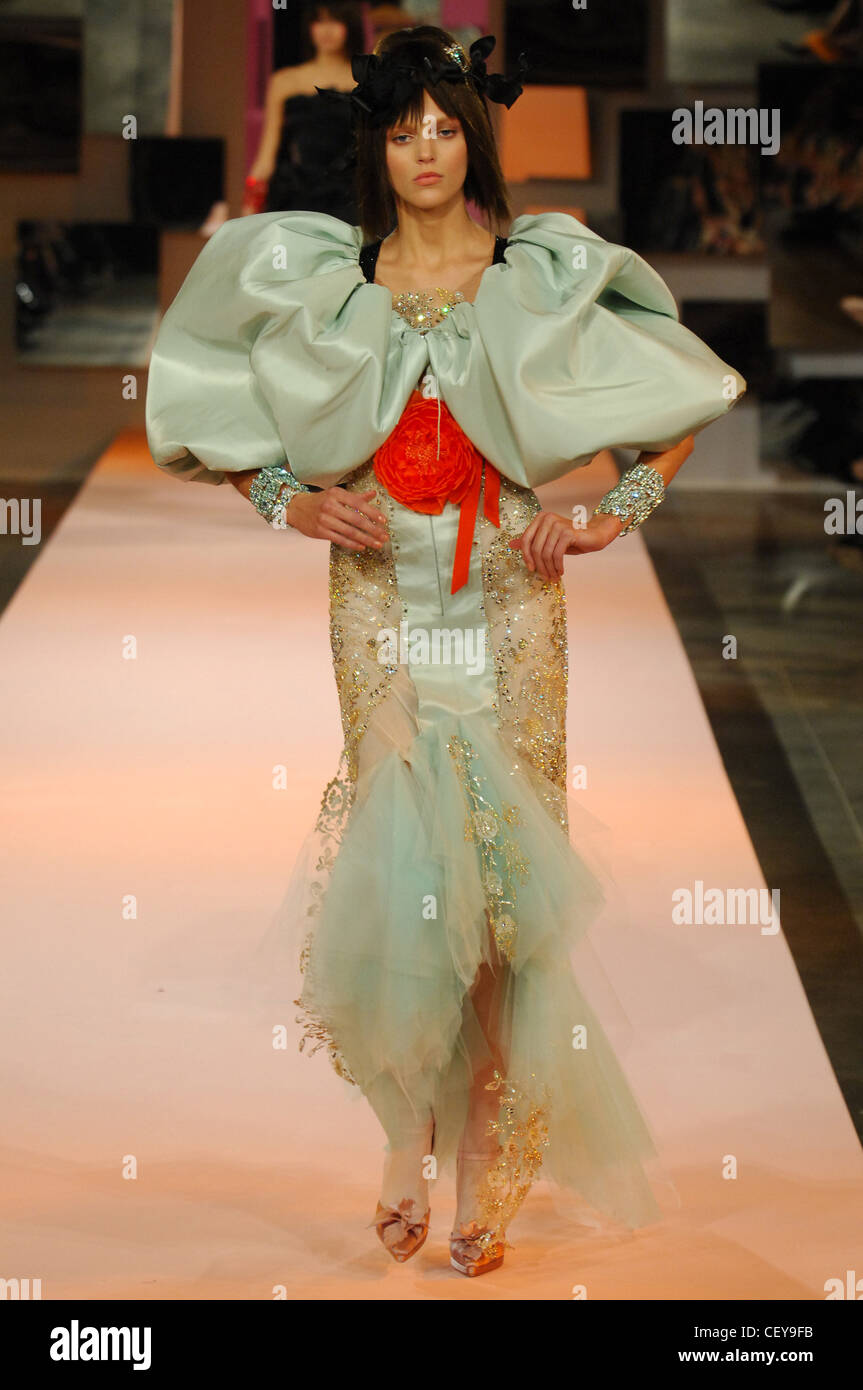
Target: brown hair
{"points": [[345, 12], [484, 183]]}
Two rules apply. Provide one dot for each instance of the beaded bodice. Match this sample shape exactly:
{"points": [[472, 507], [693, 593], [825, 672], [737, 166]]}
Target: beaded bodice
{"points": [[422, 309]]}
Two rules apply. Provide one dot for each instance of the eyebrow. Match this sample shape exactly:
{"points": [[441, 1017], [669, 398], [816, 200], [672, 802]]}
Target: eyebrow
{"points": [[408, 125]]}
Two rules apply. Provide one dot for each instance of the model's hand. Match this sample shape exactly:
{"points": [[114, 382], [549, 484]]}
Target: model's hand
{"points": [[549, 537], [350, 519]]}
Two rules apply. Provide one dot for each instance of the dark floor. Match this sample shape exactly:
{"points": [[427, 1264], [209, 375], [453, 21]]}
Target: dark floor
{"points": [[787, 715]]}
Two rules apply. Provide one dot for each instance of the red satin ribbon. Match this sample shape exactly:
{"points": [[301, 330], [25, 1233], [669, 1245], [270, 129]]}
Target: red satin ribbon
{"points": [[467, 520]]}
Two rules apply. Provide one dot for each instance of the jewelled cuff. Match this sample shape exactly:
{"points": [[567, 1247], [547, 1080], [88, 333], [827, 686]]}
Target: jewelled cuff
{"points": [[271, 493], [638, 493]]}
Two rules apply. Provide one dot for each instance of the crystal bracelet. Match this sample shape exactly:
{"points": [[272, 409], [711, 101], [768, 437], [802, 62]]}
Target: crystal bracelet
{"points": [[638, 493], [271, 493]]}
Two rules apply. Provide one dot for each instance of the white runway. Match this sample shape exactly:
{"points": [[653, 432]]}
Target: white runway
{"points": [[154, 1143]]}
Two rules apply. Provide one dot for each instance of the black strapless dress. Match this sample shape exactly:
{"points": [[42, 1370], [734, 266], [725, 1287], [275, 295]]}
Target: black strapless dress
{"points": [[316, 137]]}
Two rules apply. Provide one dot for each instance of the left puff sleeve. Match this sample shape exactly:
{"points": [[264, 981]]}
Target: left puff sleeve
{"points": [[205, 413], [574, 345]]}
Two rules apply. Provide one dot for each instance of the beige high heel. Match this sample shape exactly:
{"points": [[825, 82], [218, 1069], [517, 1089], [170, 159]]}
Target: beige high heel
{"points": [[474, 1250], [399, 1231]]}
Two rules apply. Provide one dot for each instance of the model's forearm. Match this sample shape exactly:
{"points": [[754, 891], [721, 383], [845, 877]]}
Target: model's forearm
{"points": [[263, 167], [243, 481], [670, 460]]}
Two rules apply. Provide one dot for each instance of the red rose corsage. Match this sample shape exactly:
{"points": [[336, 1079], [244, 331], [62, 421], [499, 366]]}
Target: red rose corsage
{"points": [[428, 461]]}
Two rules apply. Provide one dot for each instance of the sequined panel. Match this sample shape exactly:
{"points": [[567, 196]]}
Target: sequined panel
{"points": [[422, 310], [526, 618], [364, 598]]}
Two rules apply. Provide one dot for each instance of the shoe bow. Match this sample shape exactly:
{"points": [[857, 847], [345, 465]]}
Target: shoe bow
{"points": [[477, 1242], [399, 1223]]}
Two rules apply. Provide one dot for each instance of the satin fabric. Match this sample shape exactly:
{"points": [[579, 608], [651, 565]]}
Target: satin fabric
{"points": [[276, 350], [424, 562]]}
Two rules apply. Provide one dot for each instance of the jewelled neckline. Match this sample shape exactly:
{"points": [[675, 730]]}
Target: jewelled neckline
{"points": [[418, 308], [422, 311]]}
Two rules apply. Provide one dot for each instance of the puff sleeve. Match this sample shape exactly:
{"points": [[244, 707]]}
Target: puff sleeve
{"points": [[205, 412], [572, 346]]}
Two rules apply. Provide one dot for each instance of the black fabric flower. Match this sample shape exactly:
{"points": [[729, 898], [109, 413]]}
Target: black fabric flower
{"points": [[385, 84], [494, 85]]}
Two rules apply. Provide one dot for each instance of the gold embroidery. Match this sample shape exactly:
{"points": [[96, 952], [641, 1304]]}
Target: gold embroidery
{"points": [[316, 1031], [336, 806], [526, 617], [523, 1131], [363, 599], [422, 311], [502, 861]]}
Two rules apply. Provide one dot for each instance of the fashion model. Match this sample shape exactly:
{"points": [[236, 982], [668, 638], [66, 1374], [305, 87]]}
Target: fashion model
{"points": [[398, 390], [300, 162]]}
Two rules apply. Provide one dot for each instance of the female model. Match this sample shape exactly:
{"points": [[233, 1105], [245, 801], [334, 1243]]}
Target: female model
{"points": [[299, 163], [400, 399]]}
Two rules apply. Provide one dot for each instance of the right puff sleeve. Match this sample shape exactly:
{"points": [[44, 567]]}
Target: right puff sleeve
{"points": [[580, 348], [205, 413]]}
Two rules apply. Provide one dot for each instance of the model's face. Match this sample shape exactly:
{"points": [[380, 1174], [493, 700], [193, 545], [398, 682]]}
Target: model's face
{"points": [[329, 36], [427, 160]]}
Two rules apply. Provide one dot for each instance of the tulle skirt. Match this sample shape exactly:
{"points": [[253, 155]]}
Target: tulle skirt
{"points": [[401, 929]]}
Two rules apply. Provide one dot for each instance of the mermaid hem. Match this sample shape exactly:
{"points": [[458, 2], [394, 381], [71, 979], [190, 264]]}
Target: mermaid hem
{"points": [[450, 861]]}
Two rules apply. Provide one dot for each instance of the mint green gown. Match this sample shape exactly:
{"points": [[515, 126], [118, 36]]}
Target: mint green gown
{"points": [[443, 840]]}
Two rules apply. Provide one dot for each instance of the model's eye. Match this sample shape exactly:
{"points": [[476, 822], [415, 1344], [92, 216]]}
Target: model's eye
{"points": [[448, 130], [402, 136]]}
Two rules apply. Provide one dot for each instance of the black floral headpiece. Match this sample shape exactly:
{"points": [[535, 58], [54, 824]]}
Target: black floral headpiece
{"points": [[386, 82]]}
